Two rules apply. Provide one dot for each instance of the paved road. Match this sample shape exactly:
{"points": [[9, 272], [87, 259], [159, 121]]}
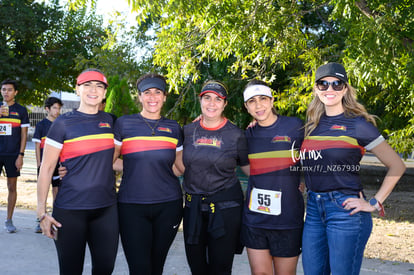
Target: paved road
{"points": [[26, 252]]}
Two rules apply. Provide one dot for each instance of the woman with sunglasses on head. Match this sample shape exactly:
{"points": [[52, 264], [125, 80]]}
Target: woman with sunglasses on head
{"points": [[338, 131], [150, 197], [274, 208], [213, 148], [85, 210]]}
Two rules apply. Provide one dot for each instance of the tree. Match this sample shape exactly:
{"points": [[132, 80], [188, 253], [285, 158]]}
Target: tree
{"points": [[118, 56], [119, 101], [283, 42], [269, 39], [39, 43]]}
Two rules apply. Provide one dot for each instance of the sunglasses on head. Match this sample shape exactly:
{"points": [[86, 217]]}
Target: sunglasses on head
{"points": [[323, 85]]}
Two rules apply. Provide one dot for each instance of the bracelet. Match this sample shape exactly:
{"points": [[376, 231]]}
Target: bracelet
{"points": [[381, 211], [42, 217]]}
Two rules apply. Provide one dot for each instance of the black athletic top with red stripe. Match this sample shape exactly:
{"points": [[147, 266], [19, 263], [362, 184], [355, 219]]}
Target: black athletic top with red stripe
{"points": [[332, 152], [40, 133], [17, 119], [87, 147], [148, 159], [274, 166]]}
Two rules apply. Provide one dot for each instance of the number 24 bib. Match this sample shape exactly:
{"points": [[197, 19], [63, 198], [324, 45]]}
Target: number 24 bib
{"points": [[265, 201], [5, 129]]}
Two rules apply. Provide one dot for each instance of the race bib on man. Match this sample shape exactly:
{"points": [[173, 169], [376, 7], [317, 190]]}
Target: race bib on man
{"points": [[5, 129], [265, 201]]}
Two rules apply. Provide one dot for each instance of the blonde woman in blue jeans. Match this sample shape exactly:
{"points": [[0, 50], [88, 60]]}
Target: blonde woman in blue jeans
{"points": [[337, 134]]}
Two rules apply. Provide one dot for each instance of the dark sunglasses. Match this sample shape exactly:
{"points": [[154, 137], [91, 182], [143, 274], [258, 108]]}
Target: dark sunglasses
{"points": [[323, 85]]}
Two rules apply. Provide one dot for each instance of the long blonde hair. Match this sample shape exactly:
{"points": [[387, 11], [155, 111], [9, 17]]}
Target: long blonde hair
{"points": [[352, 108]]}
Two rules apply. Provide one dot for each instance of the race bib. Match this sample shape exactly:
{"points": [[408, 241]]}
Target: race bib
{"points": [[265, 201], [5, 129]]}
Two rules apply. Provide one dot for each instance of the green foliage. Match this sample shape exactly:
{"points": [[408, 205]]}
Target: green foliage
{"points": [[379, 54], [185, 106], [39, 43], [283, 42], [118, 56], [119, 101], [193, 32]]}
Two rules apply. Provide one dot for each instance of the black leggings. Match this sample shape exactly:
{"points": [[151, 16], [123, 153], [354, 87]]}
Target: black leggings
{"points": [[147, 232], [96, 227], [215, 256]]}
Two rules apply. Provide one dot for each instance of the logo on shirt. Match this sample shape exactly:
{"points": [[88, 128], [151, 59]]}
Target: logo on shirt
{"points": [[338, 127], [281, 139], [14, 113], [164, 129], [104, 125], [214, 142], [263, 209]]}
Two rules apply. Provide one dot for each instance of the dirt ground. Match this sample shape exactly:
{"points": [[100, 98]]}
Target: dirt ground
{"points": [[392, 237]]}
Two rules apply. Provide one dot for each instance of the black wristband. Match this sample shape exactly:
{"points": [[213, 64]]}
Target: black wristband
{"points": [[42, 217], [22, 154]]}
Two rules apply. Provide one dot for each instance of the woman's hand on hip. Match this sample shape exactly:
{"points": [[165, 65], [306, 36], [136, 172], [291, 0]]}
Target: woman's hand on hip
{"points": [[358, 204]]}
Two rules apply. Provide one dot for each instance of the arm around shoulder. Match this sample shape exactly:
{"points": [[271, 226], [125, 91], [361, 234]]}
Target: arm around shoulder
{"points": [[178, 167], [49, 161], [118, 164]]}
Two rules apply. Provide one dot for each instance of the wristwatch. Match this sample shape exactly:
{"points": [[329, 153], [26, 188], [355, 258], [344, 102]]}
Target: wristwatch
{"points": [[374, 202], [22, 154]]}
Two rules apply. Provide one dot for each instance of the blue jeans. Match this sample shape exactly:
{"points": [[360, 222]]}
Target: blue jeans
{"points": [[333, 241]]}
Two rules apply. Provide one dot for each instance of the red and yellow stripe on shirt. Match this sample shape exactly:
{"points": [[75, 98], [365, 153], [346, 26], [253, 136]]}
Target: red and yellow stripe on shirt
{"points": [[267, 162], [145, 143], [42, 142], [13, 121], [330, 142], [86, 145]]}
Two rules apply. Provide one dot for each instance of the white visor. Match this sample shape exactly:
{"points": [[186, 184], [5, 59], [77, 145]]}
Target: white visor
{"points": [[255, 90]]}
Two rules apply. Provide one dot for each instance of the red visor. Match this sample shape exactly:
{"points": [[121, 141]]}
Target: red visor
{"points": [[91, 76], [220, 95]]}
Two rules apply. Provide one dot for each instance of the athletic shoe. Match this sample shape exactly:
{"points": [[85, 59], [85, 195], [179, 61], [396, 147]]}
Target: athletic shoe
{"points": [[38, 229], [8, 225]]}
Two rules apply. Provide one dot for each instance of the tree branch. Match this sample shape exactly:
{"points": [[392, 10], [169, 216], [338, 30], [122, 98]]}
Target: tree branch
{"points": [[363, 7]]}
